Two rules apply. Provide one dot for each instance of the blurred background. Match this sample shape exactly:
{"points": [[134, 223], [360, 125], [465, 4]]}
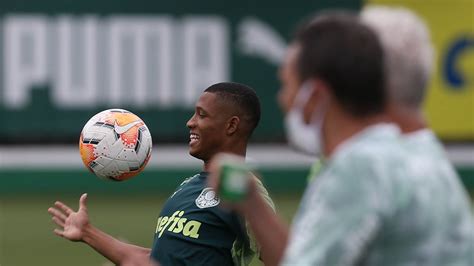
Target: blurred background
{"points": [[63, 61]]}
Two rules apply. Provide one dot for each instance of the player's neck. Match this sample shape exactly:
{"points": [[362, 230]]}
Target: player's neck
{"points": [[206, 166], [236, 150]]}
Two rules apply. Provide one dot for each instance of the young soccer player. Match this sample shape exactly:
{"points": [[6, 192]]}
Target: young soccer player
{"points": [[191, 228]]}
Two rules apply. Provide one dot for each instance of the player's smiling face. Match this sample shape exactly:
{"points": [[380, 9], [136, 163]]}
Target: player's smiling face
{"points": [[207, 127]]}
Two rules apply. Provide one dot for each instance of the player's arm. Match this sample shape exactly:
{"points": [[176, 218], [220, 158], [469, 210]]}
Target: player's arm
{"points": [[116, 251], [75, 226]]}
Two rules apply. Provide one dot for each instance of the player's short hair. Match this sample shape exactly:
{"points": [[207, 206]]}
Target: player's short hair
{"points": [[339, 49], [243, 98], [408, 51]]}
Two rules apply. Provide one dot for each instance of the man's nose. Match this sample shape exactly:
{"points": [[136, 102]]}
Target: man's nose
{"points": [[191, 122]]}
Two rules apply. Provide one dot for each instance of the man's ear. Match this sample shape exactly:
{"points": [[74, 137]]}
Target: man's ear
{"points": [[318, 93], [232, 125]]}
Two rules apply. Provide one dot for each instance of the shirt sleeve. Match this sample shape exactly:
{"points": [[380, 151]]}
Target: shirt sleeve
{"points": [[339, 215]]}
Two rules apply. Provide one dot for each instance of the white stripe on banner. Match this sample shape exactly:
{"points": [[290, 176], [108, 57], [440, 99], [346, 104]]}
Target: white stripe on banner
{"points": [[163, 156], [177, 156]]}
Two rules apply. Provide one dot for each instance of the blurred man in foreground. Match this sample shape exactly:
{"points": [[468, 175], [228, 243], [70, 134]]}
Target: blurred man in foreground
{"points": [[340, 63], [367, 206], [408, 64]]}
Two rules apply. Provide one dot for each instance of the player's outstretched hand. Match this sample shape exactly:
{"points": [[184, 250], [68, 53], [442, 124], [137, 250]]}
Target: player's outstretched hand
{"points": [[71, 224]]}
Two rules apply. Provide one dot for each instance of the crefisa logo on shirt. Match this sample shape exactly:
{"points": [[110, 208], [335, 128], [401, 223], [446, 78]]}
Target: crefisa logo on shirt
{"points": [[178, 224], [207, 199]]}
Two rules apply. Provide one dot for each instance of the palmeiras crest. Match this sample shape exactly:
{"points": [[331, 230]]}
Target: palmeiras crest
{"points": [[207, 199]]}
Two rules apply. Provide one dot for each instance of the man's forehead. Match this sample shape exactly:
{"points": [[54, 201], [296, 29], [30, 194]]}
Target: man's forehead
{"points": [[210, 101], [206, 98], [290, 60], [292, 52]]}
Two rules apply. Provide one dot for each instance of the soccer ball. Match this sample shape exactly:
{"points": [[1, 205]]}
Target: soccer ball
{"points": [[115, 144]]}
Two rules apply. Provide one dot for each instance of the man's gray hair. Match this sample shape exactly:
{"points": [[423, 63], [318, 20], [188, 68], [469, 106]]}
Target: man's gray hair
{"points": [[408, 52]]}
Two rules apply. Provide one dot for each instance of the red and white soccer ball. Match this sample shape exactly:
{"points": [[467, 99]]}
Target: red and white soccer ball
{"points": [[115, 144]]}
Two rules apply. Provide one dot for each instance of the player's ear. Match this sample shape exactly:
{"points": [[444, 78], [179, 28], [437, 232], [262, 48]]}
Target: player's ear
{"points": [[232, 125]]}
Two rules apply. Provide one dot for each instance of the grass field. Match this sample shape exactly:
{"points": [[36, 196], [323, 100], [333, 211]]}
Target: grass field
{"points": [[26, 236], [126, 210]]}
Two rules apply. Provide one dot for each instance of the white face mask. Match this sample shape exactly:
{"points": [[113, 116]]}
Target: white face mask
{"points": [[304, 137]]}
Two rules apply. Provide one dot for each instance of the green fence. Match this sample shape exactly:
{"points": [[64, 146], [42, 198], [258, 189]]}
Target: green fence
{"points": [[159, 181]]}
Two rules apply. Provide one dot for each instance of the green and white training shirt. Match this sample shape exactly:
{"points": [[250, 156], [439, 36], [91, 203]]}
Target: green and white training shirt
{"points": [[372, 205], [449, 238]]}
